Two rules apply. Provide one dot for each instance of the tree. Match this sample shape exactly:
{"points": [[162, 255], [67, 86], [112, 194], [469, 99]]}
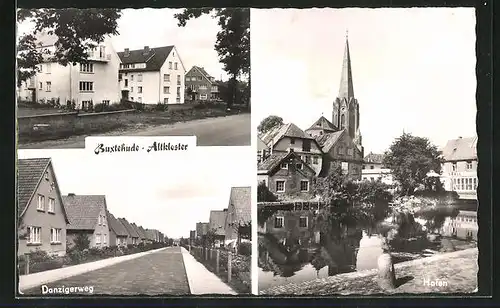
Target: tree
{"points": [[77, 31], [233, 40], [410, 158], [269, 123], [264, 194]]}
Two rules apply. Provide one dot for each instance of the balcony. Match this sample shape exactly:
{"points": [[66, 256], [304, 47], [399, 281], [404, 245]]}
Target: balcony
{"points": [[99, 58]]}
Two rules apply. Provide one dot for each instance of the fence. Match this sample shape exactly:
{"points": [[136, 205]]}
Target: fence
{"points": [[231, 267]]}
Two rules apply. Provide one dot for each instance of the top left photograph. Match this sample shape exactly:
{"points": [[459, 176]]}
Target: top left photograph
{"points": [[132, 72]]}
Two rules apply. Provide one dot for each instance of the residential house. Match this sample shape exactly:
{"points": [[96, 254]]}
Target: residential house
{"points": [[140, 232], [90, 83], [200, 85], [87, 216], [118, 235], [287, 176], [152, 75], [153, 235], [217, 225], [289, 137], [201, 228], [42, 218], [373, 169], [133, 238], [459, 171], [239, 213], [192, 234]]}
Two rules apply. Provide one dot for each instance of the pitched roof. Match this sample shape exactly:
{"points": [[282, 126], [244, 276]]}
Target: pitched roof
{"points": [[203, 72], [328, 140], [217, 221], [116, 225], [143, 232], [287, 130], [140, 234], [260, 144], [324, 124], [131, 230], [240, 198], [272, 161], [374, 158], [29, 174], [460, 149], [83, 210], [269, 135], [275, 159], [154, 59]]}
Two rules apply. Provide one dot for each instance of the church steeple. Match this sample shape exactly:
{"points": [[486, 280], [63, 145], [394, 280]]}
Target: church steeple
{"points": [[346, 89]]}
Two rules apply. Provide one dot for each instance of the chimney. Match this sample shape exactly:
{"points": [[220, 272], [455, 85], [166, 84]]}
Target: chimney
{"points": [[126, 52], [459, 137], [146, 50], [71, 194]]}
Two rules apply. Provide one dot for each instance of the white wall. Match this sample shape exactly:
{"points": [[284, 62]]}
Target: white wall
{"points": [[181, 71]]}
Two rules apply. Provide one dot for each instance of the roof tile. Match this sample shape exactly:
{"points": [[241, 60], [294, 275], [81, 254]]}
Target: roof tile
{"points": [[29, 173], [240, 198], [83, 210], [154, 59]]}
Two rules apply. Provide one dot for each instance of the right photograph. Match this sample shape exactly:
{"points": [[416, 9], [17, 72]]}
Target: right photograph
{"points": [[367, 161]]}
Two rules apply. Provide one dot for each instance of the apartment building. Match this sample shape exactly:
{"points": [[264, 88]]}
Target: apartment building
{"points": [[152, 75]]}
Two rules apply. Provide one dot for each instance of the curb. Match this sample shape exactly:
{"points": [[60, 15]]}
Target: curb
{"points": [[37, 279]]}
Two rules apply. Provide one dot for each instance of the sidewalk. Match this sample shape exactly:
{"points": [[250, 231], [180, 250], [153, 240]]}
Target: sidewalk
{"points": [[454, 272], [201, 280], [38, 279]]}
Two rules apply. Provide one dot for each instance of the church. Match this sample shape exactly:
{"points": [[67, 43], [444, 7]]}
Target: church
{"points": [[323, 146]]}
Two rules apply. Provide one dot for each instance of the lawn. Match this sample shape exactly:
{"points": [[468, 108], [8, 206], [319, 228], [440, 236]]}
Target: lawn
{"points": [[25, 111]]}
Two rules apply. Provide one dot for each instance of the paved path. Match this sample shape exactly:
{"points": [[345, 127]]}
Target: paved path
{"points": [[222, 131], [154, 274], [201, 280], [454, 272]]}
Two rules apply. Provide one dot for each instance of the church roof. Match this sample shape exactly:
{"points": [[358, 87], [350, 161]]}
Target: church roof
{"points": [[328, 140], [460, 149], [346, 89], [324, 124]]}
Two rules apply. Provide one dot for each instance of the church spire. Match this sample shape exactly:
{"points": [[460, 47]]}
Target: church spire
{"points": [[346, 89]]}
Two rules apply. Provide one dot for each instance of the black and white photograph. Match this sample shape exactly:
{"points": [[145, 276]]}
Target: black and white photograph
{"points": [[169, 224], [366, 150], [133, 72]]}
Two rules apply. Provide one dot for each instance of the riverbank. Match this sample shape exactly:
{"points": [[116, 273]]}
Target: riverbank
{"points": [[454, 272]]}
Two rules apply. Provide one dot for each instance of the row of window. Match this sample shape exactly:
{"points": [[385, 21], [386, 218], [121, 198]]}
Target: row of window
{"points": [[166, 78], [466, 218], [202, 87], [279, 222], [101, 238], [101, 220], [51, 204], [194, 78], [133, 65], [166, 90], [468, 166], [280, 186], [165, 99], [139, 89], [465, 183], [35, 235], [84, 86]]}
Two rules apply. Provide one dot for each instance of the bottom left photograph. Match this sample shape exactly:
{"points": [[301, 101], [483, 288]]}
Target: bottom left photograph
{"points": [[166, 225]]}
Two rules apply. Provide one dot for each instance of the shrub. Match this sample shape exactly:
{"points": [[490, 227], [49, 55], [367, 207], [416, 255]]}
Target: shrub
{"points": [[99, 107], [81, 242], [245, 249], [161, 107]]}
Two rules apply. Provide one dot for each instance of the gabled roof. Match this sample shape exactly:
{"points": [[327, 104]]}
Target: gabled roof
{"points": [[287, 130], [324, 124], [83, 210], [140, 234], [272, 161], [240, 198], [30, 173], [374, 158], [130, 229], [275, 160], [154, 59], [328, 140], [217, 222], [116, 225], [269, 135], [203, 73], [260, 144], [143, 232], [460, 149]]}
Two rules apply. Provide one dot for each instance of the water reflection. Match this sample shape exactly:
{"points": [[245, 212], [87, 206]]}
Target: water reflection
{"points": [[301, 254]]}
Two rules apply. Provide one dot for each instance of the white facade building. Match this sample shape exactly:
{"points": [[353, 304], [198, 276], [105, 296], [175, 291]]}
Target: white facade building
{"points": [[95, 81], [152, 75]]}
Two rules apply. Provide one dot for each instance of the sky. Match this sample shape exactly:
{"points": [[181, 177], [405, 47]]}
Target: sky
{"points": [[158, 27], [413, 69], [170, 193]]}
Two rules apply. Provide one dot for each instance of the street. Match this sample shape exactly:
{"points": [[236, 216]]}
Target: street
{"points": [[162, 272], [222, 131]]}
